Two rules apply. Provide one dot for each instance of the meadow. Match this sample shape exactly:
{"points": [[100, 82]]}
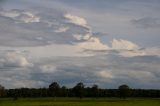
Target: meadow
{"points": [[80, 102]]}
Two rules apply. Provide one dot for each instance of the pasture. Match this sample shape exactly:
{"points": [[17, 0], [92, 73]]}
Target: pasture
{"points": [[78, 102]]}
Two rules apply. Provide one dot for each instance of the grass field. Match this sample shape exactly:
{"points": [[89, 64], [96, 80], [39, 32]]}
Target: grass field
{"points": [[78, 102]]}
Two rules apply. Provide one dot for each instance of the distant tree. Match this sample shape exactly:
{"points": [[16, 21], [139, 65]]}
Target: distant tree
{"points": [[64, 91], [2, 91], [44, 92], [95, 91], [124, 91], [79, 90], [15, 94], [54, 89]]}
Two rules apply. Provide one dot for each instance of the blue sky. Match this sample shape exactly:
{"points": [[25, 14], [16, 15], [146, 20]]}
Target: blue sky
{"points": [[104, 42]]}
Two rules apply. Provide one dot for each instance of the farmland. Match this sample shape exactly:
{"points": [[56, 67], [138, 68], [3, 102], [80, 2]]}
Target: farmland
{"points": [[79, 102]]}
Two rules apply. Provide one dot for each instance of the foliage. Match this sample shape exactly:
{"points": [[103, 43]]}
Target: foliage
{"points": [[124, 91], [2, 91], [95, 91], [79, 90], [54, 89]]}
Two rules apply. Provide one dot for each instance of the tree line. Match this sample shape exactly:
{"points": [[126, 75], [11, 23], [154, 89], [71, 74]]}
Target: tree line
{"points": [[79, 90]]}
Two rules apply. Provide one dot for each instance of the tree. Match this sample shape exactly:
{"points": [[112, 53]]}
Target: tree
{"points": [[54, 89], [79, 90], [64, 91], [95, 91], [124, 91], [15, 97], [2, 91]]}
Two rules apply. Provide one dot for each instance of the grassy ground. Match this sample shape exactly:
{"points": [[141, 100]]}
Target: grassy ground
{"points": [[78, 102]]}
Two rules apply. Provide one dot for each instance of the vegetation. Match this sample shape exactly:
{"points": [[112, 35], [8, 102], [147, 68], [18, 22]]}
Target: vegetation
{"points": [[79, 91], [2, 91], [80, 102], [54, 89], [79, 95], [124, 91]]}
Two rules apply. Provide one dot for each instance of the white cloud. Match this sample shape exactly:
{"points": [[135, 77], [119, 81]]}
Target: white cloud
{"points": [[48, 68], [123, 45], [26, 83], [153, 51], [9, 13], [28, 17], [28, 28], [56, 51], [76, 20], [128, 53], [101, 68], [22, 16], [14, 59], [88, 41], [92, 44], [61, 29], [82, 37], [105, 74]]}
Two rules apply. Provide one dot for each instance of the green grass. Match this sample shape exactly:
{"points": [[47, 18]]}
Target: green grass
{"points": [[78, 102]]}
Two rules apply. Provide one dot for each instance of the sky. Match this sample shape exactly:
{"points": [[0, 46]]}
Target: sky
{"points": [[103, 42]]}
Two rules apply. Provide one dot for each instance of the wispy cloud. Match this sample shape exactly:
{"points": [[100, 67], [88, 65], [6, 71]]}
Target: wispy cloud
{"points": [[147, 22]]}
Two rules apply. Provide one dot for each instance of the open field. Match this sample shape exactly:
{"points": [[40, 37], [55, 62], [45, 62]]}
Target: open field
{"points": [[78, 102]]}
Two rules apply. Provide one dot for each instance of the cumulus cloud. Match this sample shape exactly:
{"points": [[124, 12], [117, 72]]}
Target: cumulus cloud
{"points": [[76, 20], [104, 69], [10, 14], [14, 59], [18, 15], [93, 44], [75, 53], [28, 28], [140, 52], [105, 74], [48, 68], [101, 69], [125, 48], [43, 29], [123, 44], [28, 17], [61, 29], [151, 51], [82, 37]]}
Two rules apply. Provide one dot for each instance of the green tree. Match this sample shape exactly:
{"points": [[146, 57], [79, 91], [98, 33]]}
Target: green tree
{"points": [[124, 91], [95, 90], [64, 91], [79, 90], [54, 89], [2, 91]]}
